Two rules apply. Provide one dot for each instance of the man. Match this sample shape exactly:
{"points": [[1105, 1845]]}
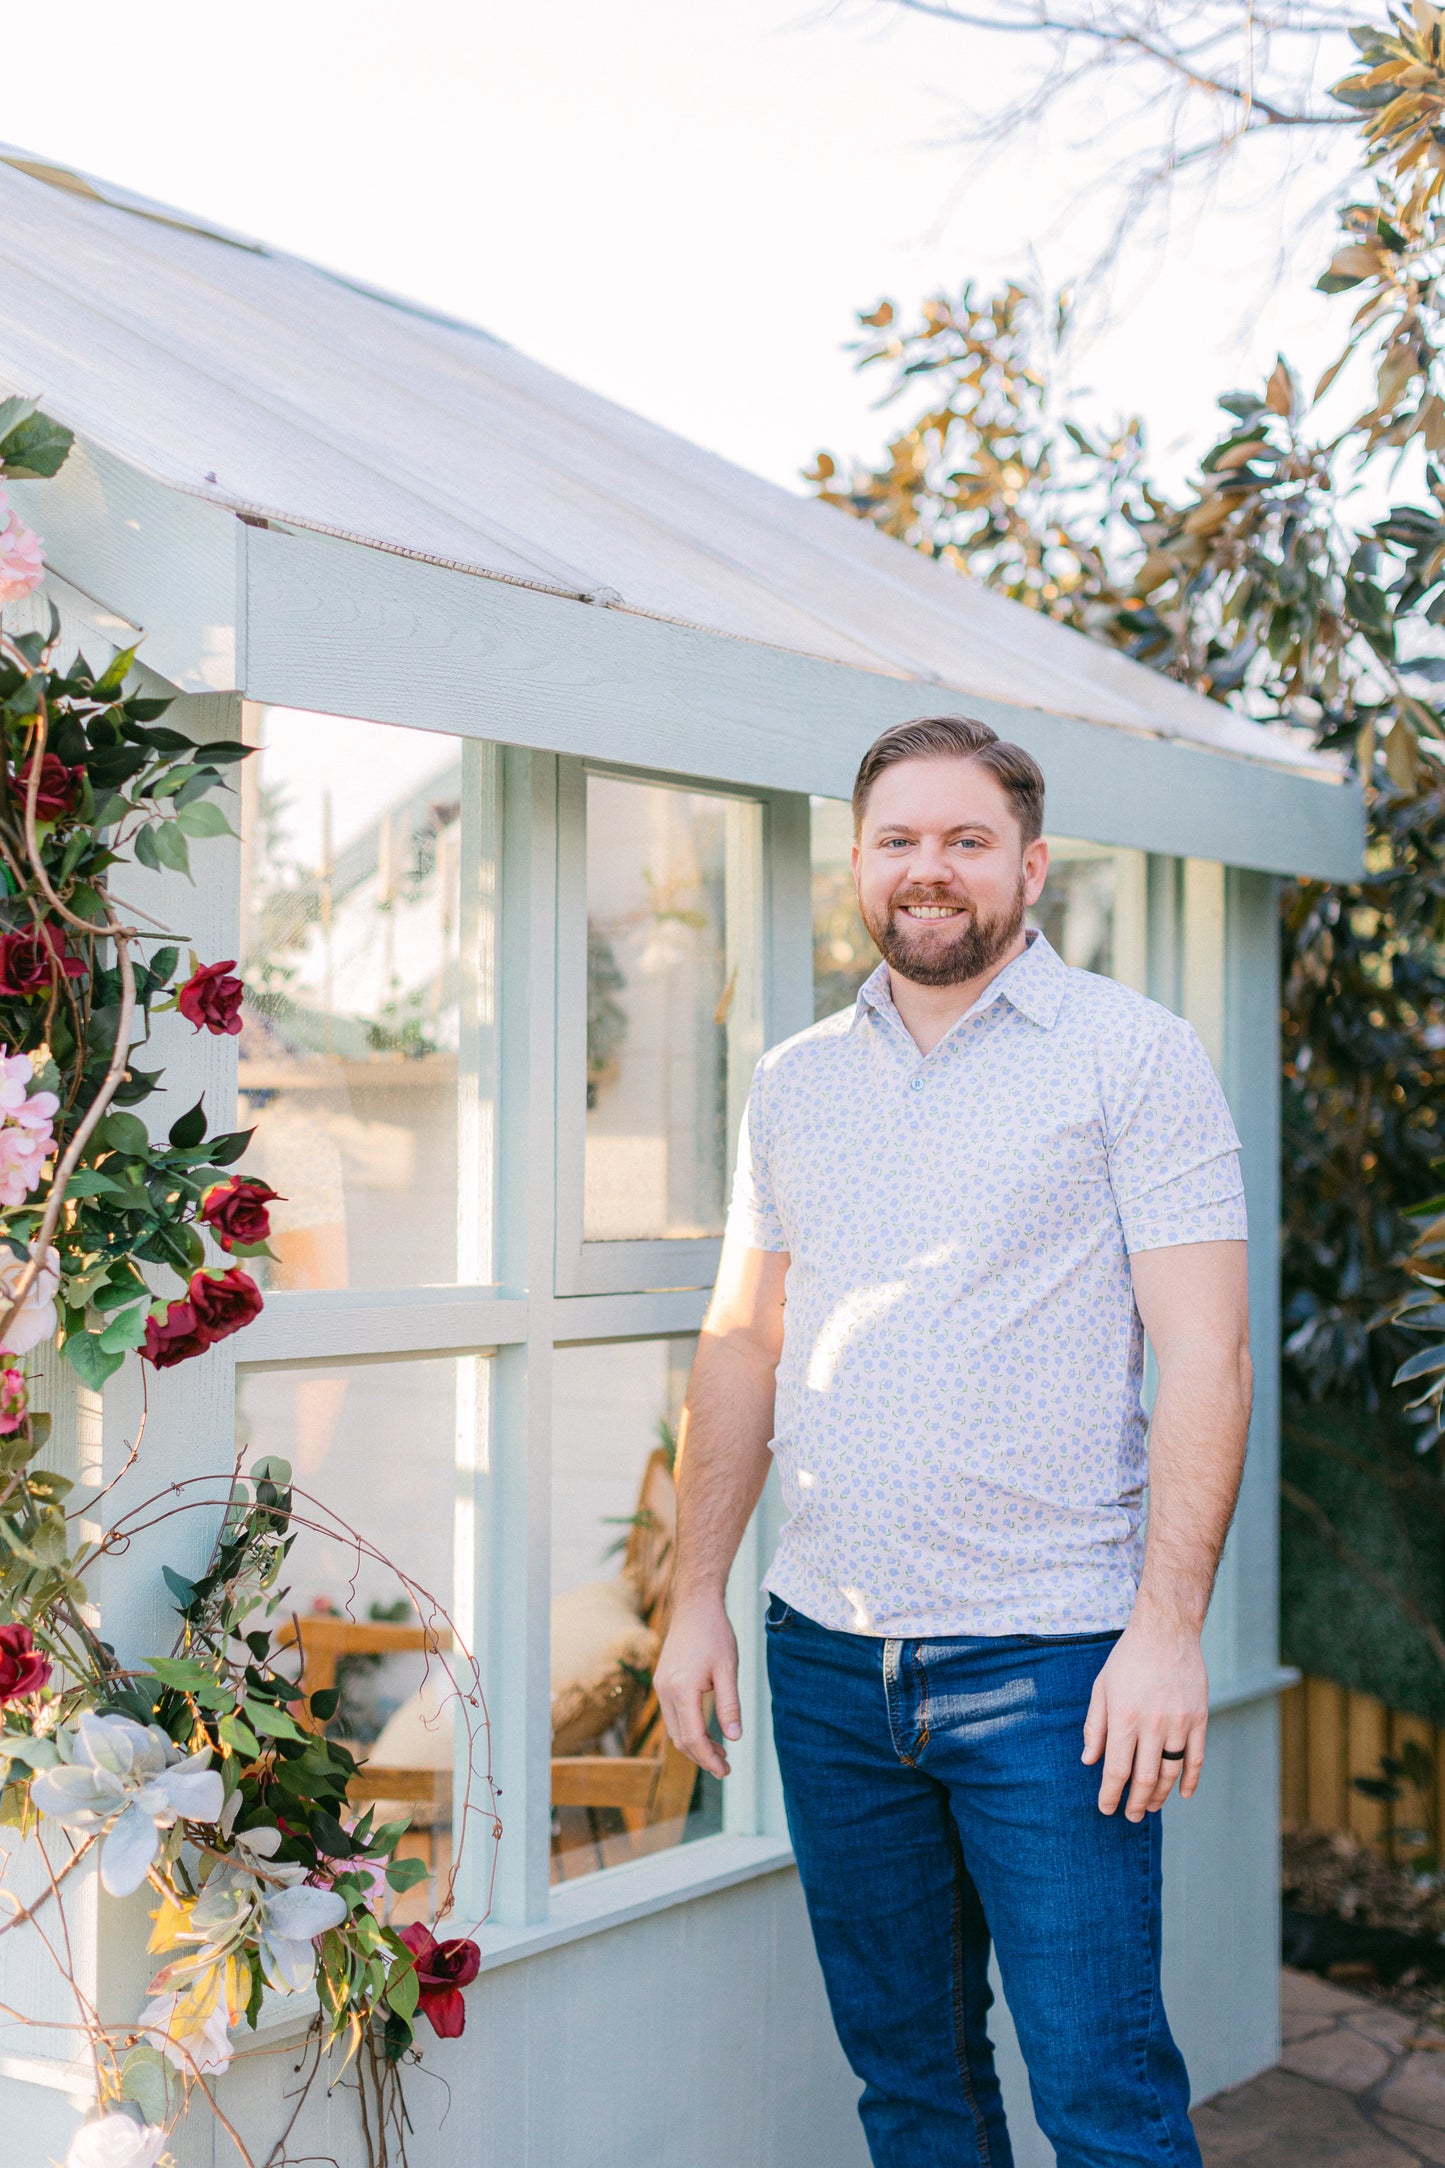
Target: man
{"points": [[975, 1192]]}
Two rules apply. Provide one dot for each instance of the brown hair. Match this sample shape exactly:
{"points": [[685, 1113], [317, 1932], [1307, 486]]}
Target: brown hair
{"points": [[957, 737]]}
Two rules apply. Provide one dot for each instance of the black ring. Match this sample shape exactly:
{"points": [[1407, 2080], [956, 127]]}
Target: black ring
{"points": [[1167, 1753]]}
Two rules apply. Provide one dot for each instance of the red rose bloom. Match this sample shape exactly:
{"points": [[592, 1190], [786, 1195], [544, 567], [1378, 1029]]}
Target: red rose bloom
{"points": [[235, 1211], [29, 960], [209, 997], [443, 1969], [224, 1301], [22, 1667], [175, 1337], [59, 787]]}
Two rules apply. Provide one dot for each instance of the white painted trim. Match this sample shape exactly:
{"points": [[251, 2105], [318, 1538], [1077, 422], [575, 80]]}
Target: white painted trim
{"points": [[579, 1319], [616, 1895], [357, 1325], [1259, 1686], [353, 631]]}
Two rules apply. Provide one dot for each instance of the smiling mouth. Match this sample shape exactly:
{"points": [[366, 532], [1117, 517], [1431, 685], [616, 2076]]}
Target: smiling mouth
{"points": [[929, 911]]}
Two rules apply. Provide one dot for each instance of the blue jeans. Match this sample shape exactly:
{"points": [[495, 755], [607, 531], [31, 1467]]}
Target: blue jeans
{"points": [[937, 1801]]}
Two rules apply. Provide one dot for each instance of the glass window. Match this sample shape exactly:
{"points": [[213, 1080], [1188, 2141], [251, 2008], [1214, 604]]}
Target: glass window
{"points": [[354, 836], [843, 952], [374, 1449], [1091, 909], [1076, 910], [672, 1004], [619, 1788]]}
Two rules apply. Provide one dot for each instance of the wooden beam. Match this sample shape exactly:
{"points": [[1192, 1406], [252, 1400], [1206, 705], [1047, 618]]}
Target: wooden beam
{"points": [[351, 631], [603, 1780]]}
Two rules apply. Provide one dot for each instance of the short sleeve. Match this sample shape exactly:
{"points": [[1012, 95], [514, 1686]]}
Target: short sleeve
{"points": [[1173, 1150], [753, 1217]]}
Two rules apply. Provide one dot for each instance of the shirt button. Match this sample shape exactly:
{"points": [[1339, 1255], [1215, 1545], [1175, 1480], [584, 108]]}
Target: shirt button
{"points": [[918, 1083]]}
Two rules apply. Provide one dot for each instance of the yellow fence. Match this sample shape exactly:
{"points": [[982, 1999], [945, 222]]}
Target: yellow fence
{"points": [[1329, 1735]]}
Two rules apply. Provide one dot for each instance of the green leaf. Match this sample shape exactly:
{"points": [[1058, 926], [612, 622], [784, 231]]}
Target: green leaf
{"points": [[164, 961], [224, 1149], [144, 2079], [183, 1590], [34, 449], [272, 1722], [171, 847], [145, 849], [126, 1330], [325, 1702], [1422, 1365], [127, 1133], [403, 1985], [182, 1671], [90, 1182], [404, 1874], [203, 818], [271, 1468], [191, 1126], [239, 1737], [115, 673], [91, 1362]]}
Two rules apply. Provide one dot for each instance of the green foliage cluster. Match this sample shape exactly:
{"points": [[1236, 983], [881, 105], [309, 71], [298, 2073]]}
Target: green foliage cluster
{"points": [[135, 786]]}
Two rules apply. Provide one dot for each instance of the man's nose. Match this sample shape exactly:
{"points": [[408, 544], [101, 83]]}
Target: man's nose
{"points": [[928, 865]]}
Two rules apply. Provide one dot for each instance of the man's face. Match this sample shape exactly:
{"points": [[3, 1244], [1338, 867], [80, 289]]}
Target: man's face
{"points": [[942, 871]]}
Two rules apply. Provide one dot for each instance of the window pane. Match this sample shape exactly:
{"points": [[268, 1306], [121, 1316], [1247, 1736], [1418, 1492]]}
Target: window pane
{"points": [[615, 1411], [375, 1445], [1089, 890], [358, 994], [672, 1003], [1076, 910], [843, 953]]}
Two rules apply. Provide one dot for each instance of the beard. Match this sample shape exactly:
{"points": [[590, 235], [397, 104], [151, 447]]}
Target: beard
{"points": [[969, 949]]}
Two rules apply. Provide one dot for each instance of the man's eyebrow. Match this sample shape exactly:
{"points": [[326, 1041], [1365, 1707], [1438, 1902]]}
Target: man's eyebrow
{"points": [[962, 828]]}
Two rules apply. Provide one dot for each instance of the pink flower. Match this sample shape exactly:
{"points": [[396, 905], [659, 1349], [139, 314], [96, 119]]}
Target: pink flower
{"points": [[36, 1318], [22, 563], [14, 1407], [27, 1138]]}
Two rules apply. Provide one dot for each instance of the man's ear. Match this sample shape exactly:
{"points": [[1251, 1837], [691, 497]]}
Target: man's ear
{"points": [[1036, 869]]}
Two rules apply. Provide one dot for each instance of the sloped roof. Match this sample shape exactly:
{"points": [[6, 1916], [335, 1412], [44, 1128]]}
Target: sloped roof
{"points": [[261, 383]]}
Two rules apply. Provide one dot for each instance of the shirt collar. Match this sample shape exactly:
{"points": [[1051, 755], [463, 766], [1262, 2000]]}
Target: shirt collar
{"points": [[1032, 983]]}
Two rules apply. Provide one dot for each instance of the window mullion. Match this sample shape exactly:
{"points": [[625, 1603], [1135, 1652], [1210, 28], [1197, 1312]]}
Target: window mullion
{"points": [[512, 1513]]}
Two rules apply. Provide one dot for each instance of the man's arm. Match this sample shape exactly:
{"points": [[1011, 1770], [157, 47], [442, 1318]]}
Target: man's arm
{"points": [[1153, 1692], [722, 1464]]}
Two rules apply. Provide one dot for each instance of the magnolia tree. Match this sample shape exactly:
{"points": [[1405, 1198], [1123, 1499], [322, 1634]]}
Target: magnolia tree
{"points": [[203, 1775]]}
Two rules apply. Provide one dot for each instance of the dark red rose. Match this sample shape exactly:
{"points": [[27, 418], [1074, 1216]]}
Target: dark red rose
{"points": [[209, 997], [59, 789], [175, 1337], [224, 1301], [235, 1211], [443, 1969], [29, 960], [22, 1667]]}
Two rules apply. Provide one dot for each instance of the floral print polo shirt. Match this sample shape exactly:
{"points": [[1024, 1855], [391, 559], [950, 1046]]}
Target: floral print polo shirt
{"points": [[959, 1431]]}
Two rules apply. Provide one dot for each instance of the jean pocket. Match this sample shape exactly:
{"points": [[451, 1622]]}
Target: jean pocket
{"points": [[778, 1615]]}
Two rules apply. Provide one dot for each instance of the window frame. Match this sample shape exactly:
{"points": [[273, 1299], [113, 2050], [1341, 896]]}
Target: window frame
{"points": [[583, 1267]]}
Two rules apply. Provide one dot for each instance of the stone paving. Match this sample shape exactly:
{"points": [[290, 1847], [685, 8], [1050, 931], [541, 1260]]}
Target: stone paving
{"points": [[1357, 2086]]}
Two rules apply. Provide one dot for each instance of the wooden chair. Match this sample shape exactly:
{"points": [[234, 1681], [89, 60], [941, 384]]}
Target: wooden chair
{"points": [[649, 1784], [323, 1642]]}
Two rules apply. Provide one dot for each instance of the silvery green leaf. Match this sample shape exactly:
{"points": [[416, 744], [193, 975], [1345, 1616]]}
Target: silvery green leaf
{"points": [[126, 1855], [299, 1914]]}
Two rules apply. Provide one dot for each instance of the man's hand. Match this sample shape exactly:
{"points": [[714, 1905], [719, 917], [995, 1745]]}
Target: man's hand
{"points": [[1152, 1693], [699, 1658]]}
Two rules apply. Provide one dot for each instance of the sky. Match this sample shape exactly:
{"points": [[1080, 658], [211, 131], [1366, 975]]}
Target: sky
{"points": [[682, 207]]}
